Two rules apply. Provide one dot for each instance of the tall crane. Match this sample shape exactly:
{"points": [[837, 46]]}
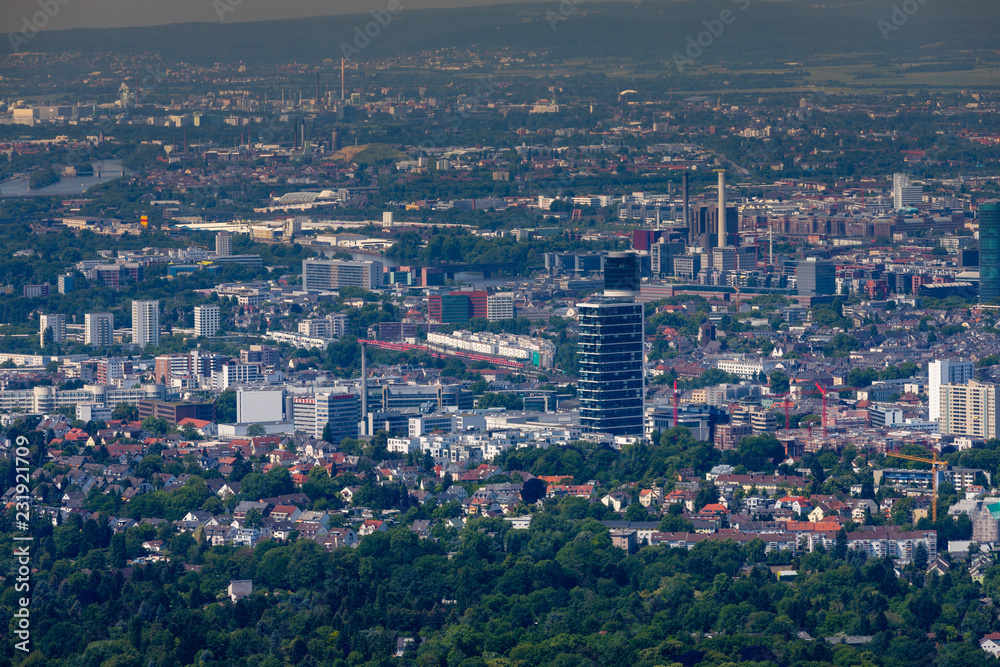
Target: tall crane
{"points": [[935, 462], [822, 391]]}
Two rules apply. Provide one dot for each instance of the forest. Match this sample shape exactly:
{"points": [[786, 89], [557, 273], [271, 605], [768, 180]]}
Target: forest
{"points": [[482, 593], [557, 594]]}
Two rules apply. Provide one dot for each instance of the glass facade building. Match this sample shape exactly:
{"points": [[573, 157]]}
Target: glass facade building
{"points": [[621, 274], [612, 387], [816, 278], [989, 253]]}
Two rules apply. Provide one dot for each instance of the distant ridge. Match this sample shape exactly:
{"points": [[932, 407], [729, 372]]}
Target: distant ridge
{"points": [[766, 32]]}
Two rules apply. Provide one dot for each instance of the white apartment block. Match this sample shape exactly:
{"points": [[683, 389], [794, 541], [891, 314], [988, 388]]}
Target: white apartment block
{"points": [[747, 369], [56, 322], [969, 409], [536, 351], [99, 329], [233, 374], [298, 340], [943, 372], [146, 323], [330, 327], [42, 400], [321, 275], [207, 320]]}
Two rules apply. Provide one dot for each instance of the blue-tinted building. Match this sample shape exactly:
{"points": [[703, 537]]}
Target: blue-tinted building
{"points": [[989, 253]]}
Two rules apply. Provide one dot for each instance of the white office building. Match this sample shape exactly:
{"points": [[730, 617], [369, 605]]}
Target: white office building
{"points": [[905, 195], [206, 320], [942, 372], [99, 329], [321, 275], [258, 406], [146, 323], [500, 306], [56, 322]]}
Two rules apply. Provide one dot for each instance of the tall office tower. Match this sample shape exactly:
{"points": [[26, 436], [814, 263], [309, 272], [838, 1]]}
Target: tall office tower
{"points": [[223, 244], [905, 195], [146, 323], [815, 278], [944, 372], [989, 253], [99, 329], [56, 322], [612, 382], [319, 275], [610, 356], [723, 241], [686, 211], [66, 283], [206, 320], [970, 410]]}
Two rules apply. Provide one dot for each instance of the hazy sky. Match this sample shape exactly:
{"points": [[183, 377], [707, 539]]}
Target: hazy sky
{"points": [[126, 13]]}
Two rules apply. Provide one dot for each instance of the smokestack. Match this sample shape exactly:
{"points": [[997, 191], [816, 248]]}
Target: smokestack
{"points": [[684, 185], [342, 62], [722, 208], [364, 387]]}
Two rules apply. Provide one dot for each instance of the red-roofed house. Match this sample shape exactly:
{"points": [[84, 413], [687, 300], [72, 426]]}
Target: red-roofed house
{"points": [[372, 526], [285, 513], [203, 427]]}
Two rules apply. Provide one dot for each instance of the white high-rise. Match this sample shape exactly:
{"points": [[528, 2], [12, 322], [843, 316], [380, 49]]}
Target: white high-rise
{"points": [[970, 410], [146, 323], [206, 320], [942, 372], [905, 195], [99, 329], [56, 322], [223, 244]]}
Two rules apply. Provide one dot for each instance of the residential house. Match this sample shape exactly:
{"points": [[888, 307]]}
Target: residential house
{"points": [[372, 526], [239, 589]]}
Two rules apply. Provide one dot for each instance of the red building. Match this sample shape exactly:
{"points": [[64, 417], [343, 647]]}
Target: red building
{"points": [[643, 239]]}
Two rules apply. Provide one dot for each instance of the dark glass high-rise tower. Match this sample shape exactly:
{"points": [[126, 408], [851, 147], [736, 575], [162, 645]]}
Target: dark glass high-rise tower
{"points": [[612, 383], [611, 367], [989, 253]]}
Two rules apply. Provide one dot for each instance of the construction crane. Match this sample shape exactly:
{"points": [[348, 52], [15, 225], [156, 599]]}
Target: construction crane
{"points": [[935, 462], [822, 391], [786, 403]]}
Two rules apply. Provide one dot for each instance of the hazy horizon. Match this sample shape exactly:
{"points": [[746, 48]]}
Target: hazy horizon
{"points": [[74, 14]]}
